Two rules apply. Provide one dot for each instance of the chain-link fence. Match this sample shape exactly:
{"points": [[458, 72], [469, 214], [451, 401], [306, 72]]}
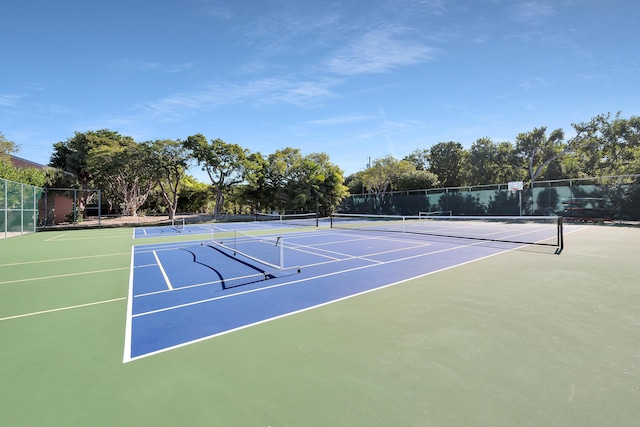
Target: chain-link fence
{"points": [[70, 207], [597, 199], [26, 209], [19, 208]]}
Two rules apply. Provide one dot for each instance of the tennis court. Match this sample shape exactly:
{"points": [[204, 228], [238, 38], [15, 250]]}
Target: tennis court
{"points": [[352, 328], [185, 292]]}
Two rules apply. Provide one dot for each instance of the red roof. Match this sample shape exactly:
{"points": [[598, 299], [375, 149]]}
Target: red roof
{"points": [[24, 163]]}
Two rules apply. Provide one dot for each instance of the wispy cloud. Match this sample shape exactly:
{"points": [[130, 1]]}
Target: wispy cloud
{"points": [[341, 120], [10, 99], [533, 83], [140, 65], [533, 10], [378, 51], [218, 12], [257, 92]]}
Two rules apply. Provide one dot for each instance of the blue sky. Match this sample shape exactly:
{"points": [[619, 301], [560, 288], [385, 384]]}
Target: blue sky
{"points": [[356, 79]]}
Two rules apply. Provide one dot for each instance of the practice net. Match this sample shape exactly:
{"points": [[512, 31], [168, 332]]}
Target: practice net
{"points": [[534, 230], [177, 224], [302, 219]]}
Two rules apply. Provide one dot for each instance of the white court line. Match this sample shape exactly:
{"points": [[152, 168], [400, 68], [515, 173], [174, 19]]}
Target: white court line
{"points": [[62, 275], [56, 237], [127, 326], [61, 259], [164, 273], [53, 310]]}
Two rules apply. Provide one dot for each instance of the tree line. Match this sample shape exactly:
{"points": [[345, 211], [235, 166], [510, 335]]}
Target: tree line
{"points": [[152, 175], [604, 146]]}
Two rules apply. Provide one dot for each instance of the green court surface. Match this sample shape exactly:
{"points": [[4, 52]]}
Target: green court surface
{"points": [[524, 338]]}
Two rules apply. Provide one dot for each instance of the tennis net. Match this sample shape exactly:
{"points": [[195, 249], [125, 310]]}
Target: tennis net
{"points": [[226, 269], [267, 251], [534, 230], [302, 219]]}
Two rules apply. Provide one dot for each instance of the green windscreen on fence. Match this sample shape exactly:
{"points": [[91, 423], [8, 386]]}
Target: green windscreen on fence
{"points": [[605, 198]]}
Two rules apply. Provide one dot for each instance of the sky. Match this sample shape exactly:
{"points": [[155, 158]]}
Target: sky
{"points": [[356, 79]]}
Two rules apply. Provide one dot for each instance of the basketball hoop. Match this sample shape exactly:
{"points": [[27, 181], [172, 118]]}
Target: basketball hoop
{"points": [[516, 186]]}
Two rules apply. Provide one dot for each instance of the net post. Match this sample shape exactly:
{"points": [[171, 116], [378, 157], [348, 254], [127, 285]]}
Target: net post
{"points": [[560, 234], [281, 253]]}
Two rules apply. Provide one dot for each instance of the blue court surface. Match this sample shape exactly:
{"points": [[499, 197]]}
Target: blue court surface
{"points": [[184, 292]]}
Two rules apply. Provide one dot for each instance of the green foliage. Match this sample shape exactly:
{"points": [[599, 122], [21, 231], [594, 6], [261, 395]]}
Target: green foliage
{"points": [[169, 163], [130, 173], [491, 163], [385, 173], [419, 158], [31, 176], [287, 181], [449, 162], [536, 151], [415, 179], [222, 161], [126, 170], [354, 183], [72, 155], [194, 196], [606, 146], [7, 147]]}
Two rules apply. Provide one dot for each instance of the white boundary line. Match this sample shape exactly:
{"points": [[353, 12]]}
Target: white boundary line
{"points": [[164, 273], [62, 259], [127, 329], [55, 237], [31, 279], [53, 310]]}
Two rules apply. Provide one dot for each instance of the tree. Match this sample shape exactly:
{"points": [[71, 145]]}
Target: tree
{"points": [[194, 196], [419, 158], [449, 163], [279, 174], [417, 180], [170, 164], [320, 184], [255, 191], [71, 155], [606, 146], [31, 176], [126, 171], [491, 163], [222, 161], [536, 151], [354, 183], [383, 174], [287, 181], [7, 148]]}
